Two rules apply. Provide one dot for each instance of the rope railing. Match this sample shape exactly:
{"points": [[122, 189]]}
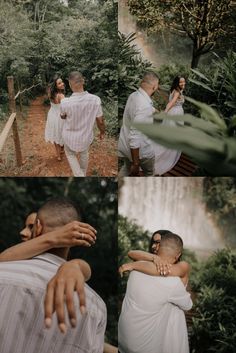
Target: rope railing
{"points": [[25, 90], [12, 120], [5, 132]]}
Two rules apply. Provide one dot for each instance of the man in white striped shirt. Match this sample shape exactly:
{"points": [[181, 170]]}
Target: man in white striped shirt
{"points": [[80, 112], [134, 148], [22, 290]]}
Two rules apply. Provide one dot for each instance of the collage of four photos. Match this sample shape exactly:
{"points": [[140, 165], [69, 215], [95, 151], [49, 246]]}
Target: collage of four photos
{"points": [[118, 176]]}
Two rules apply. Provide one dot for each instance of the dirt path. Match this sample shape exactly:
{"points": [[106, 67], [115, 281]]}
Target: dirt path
{"points": [[39, 157]]}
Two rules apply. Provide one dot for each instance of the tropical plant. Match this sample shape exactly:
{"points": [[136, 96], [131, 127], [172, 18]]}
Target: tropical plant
{"points": [[214, 326], [202, 21], [110, 110], [131, 67], [207, 140], [218, 84], [130, 236], [220, 198]]}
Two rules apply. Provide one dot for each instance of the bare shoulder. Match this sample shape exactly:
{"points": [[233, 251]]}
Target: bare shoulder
{"points": [[176, 93], [184, 265]]}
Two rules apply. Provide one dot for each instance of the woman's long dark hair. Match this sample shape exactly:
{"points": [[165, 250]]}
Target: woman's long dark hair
{"points": [[175, 84], [162, 233], [53, 90]]}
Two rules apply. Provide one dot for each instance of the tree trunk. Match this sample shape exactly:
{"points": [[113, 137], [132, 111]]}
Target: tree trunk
{"points": [[195, 57]]}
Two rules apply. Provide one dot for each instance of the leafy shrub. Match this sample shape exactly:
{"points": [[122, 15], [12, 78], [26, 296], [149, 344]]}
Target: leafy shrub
{"points": [[131, 67], [216, 84], [110, 110], [207, 140], [214, 325], [130, 237]]}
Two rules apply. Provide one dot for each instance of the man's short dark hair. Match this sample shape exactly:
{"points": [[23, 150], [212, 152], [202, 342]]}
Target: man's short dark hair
{"points": [[149, 77], [57, 212], [76, 77], [171, 242]]}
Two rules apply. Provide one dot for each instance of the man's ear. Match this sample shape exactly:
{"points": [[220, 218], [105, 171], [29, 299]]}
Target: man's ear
{"points": [[38, 228], [177, 257]]}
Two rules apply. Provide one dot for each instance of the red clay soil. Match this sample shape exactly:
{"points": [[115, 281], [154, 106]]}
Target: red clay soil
{"points": [[39, 157]]}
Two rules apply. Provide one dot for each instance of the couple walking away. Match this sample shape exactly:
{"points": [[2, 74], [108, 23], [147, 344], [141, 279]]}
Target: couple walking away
{"points": [[70, 121], [135, 149]]}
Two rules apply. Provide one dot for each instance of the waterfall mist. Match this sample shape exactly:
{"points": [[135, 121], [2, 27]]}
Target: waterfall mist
{"points": [[163, 48], [171, 203]]}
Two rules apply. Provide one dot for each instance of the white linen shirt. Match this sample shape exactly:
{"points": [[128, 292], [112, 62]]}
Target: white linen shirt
{"points": [[152, 318], [139, 109], [81, 111], [22, 290]]}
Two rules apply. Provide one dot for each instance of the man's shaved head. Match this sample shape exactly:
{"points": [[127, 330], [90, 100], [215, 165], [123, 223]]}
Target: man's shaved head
{"points": [[149, 78], [56, 213], [171, 245], [76, 77]]}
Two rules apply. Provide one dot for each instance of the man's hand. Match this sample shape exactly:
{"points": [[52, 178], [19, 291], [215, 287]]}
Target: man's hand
{"points": [[73, 234], [101, 135], [60, 290], [126, 268], [134, 170], [163, 267], [63, 116]]}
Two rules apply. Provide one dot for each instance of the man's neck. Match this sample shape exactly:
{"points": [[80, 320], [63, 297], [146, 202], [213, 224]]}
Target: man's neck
{"points": [[60, 252], [78, 90], [167, 259], [148, 91]]}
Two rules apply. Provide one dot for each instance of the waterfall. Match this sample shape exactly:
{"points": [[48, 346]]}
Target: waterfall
{"points": [[127, 25], [171, 203], [164, 48]]}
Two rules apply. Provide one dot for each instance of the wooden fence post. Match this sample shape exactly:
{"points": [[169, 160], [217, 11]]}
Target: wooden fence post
{"points": [[12, 107]]}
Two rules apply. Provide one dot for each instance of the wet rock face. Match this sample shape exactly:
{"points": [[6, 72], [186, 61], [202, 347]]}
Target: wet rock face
{"points": [[171, 203]]}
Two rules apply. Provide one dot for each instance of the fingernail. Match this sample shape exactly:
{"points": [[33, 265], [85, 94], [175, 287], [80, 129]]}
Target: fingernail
{"points": [[73, 322], [62, 328], [83, 310], [48, 322]]}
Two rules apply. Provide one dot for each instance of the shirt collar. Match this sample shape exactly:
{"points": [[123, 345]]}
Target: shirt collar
{"points": [[79, 93], [144, 93], [51, 258]]}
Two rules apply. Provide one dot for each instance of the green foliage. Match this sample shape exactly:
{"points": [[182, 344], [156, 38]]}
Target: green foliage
{"points": [[220, 198], [202, 22], [214, 326], [110, 111], [207, 140], [40, 38], [130, 237], [97, 199], [218, 84], [131, 67]]}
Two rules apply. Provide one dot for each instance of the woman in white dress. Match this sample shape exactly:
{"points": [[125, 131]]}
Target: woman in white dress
{"points": [[165, 158], [54, 124]]}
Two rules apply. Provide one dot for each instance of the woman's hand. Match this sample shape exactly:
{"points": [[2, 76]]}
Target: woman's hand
{"points": [[126, 268], [73, 234], [163, 267], [60, 291]]}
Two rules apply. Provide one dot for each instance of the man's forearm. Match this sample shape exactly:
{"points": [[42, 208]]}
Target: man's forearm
{"points": [[135, 155], [101, 125], [146, 267], [28, 249], [139, 255]]}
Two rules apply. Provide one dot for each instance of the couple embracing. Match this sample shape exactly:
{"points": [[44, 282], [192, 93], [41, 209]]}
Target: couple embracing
{"points": [[152, 317], [70, 121], [135, 149]]}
